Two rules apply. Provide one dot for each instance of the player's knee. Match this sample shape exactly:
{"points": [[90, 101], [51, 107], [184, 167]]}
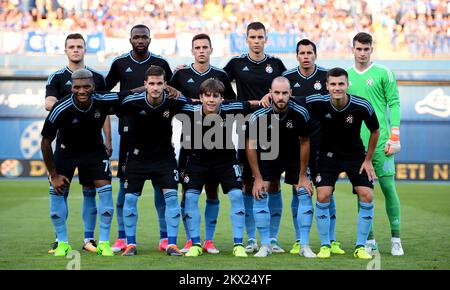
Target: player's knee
{"points": [[365, 194], [236, 199], [192, 197]]}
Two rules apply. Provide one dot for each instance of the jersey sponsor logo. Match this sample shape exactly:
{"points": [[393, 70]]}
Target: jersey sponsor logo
{"points": [[297, 85], [97, 114], [75, 121], [317, 86], [328, 116], [369, 82], [143, 113], [349, 119], [245, 69], [269, 69], [289, 124], [435, 103], [190, 80], [129, 69], [69, 83]]}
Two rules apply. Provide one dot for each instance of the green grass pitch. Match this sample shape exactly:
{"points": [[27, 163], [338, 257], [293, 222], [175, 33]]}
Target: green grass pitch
{"points": [[26, 232]]}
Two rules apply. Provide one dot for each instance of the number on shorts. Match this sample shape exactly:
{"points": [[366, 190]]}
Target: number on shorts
{"points": [[175, 175], [106, 165], [237, 170]]}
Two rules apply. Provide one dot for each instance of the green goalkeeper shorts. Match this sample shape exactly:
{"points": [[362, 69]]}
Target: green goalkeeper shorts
{"points": [[383, 165]]}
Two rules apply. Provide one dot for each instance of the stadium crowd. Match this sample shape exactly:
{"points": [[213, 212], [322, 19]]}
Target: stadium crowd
{"points": [[422, 28]]}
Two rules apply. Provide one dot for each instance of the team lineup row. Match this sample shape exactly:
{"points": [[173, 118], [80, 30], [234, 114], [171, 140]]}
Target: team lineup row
{"points": [[256, 75]]}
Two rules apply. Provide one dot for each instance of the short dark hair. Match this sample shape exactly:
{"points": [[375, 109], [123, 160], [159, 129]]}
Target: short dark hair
{"points": [[363, 37], [139, 26], [256, 26], [155, 70], [212, 85], [306, 42], [74, 36], [337, 72], [201, 36]]}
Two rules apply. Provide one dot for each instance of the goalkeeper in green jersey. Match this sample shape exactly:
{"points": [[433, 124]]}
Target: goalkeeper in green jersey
{"points": [[377, 84]]}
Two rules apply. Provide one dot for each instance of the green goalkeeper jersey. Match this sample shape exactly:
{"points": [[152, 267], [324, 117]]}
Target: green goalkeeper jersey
{"points": [[378, 85]]}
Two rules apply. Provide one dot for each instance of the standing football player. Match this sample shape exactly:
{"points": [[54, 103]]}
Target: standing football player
{"points": [[254, 72], [377, 84], [309, 79], [129, 70], [58, 86]]}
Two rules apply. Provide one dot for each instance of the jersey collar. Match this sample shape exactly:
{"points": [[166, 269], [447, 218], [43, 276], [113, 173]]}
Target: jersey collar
{"points": [[162, 102], [344, 108], [305, 77], [79, 109], [199, 73], [69, 70], [364, 71], [140, 62], [257, 62]]}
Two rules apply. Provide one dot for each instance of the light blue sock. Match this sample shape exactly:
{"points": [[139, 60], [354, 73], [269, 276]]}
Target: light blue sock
{"points": [[365, 218], [183, 216], [294, 209], [58, 214], [211, 214], [323, 222], [237, 214], [172, 215], [130, 216], [262, 218], [249, 217], [105, 211], [276, 210], [305, 215], [119, 211], [160, 206], [193, 218], [89, 212], [332, 218]]}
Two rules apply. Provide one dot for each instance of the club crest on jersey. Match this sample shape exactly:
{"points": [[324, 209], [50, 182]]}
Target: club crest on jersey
{"points": [[317, 86], [186, 178], [97, 114], [369, 82], [349, 119], [269, 69], [166, 114], [289, 124], [318, 178]]}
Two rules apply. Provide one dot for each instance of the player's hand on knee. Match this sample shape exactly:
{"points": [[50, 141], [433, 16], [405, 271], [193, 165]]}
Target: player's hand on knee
{"points": [[393, 144], [59, 183], [368, 168], [258, 189], [306, 184]]}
